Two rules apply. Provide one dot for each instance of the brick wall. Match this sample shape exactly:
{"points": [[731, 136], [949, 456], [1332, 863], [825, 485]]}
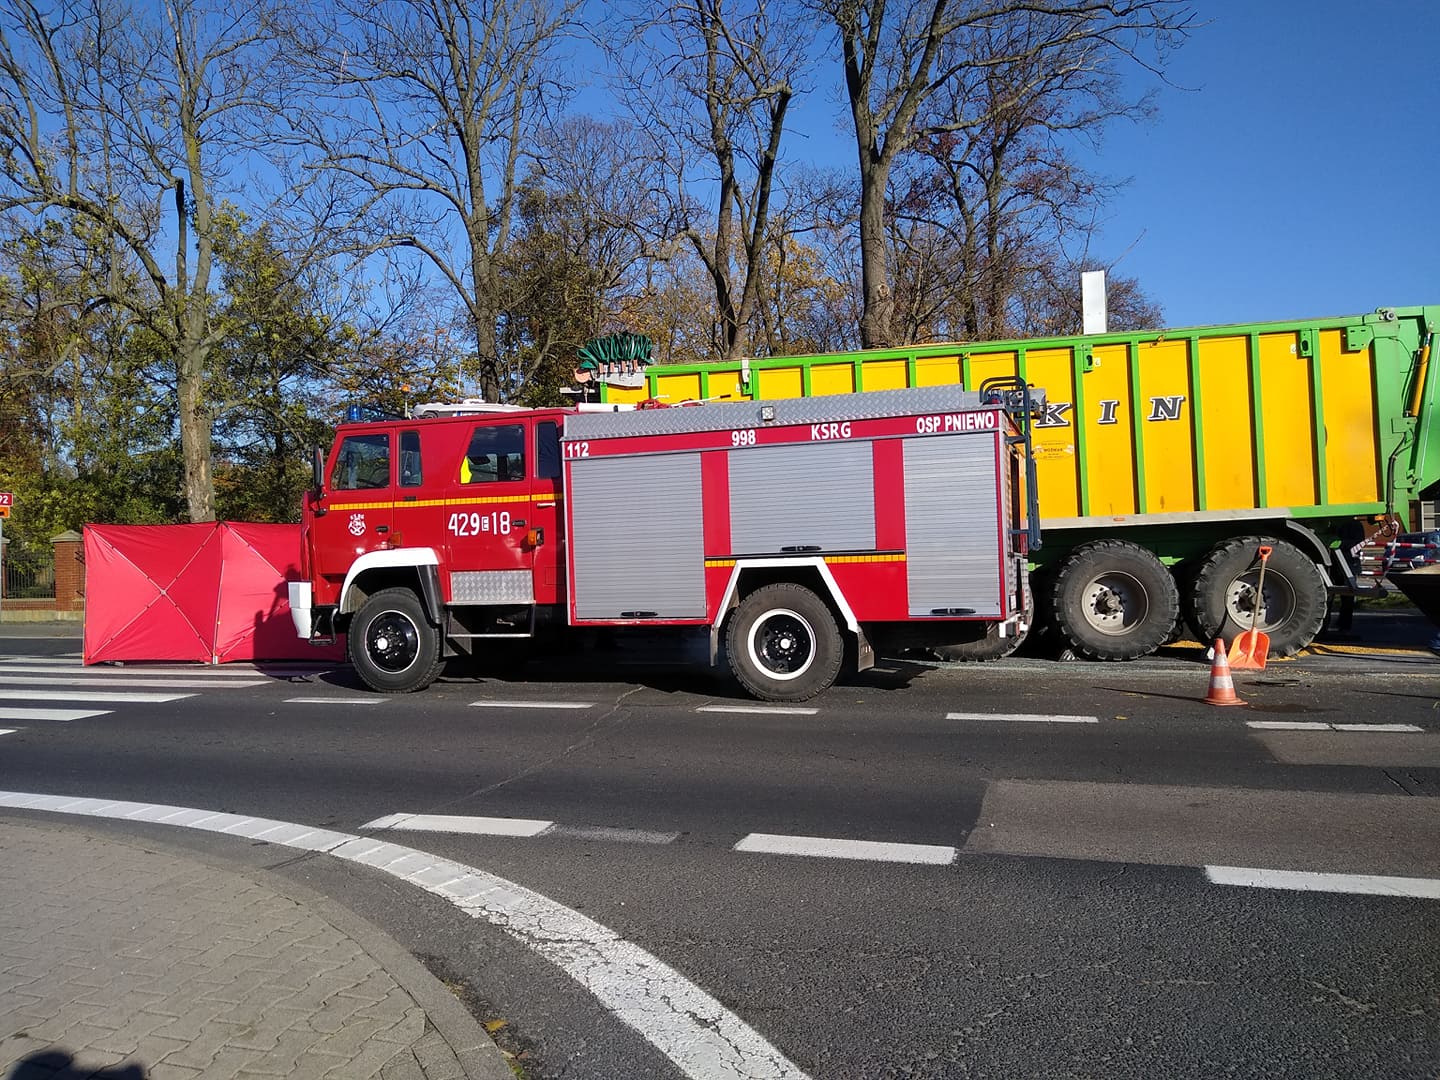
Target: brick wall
{"points": [[69, 571]]}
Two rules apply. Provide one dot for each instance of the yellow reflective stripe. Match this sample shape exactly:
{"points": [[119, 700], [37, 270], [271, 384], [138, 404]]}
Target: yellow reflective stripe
{"points": [[893, 558], [467, 501]]}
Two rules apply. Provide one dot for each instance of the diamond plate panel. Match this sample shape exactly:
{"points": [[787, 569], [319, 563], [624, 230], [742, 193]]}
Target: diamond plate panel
{"points": [[492, 587]]}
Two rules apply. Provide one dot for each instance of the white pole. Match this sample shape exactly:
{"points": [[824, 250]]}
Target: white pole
{"points": [[1092, 301]]}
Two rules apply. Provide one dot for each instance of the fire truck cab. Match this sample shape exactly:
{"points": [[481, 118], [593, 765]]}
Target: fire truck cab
{"points": [[797, 532]]}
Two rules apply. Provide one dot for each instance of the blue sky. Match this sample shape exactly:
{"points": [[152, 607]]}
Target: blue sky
{"points": [[1298, 175]]}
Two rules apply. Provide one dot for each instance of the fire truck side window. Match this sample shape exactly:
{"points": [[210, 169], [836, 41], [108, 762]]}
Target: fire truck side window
{"points": [[547, 450], [410, 474], [363, 462], [497, 453]]}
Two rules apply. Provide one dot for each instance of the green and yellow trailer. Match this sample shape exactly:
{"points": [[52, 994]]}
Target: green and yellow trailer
{"points": [[1165, 459]]}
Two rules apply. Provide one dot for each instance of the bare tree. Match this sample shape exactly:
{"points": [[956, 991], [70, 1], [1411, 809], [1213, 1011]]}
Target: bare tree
{"points": [[729, 72], [587, 216], [438, 102], [131, 119], [898, 57]]}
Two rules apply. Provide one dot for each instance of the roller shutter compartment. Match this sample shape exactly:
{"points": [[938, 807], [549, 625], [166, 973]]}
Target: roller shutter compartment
{"points": [[802, 495], [952, 525], [636, 536]]}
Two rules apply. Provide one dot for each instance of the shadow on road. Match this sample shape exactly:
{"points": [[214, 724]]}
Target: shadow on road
{"points": [[61, 1065]]}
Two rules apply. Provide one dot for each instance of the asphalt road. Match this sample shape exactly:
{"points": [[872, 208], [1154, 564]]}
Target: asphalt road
{"points": [[988, 894]]}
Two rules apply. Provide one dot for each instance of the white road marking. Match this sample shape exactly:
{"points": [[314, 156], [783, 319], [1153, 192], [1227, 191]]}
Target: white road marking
{"points": [[7, 731], [450, 823], [21, 712], [1308, 881], [81, 678], [774, 710], [1316, 725], [333, 700], [1023, 718], [705, 1040], [131, 696], [826, 848], [532, 704]]}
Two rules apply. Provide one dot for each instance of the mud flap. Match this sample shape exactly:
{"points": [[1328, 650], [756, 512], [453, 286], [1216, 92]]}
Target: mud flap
{"points": [[864, 651]]}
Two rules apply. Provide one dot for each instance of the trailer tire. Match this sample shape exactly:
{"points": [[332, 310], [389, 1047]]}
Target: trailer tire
{"points": [[992, 646], [1114, 600], [392, 644], [783, 643], [1222, 600]]}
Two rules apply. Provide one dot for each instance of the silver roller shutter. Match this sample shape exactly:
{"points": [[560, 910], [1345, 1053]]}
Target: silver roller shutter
{"points": [[805, 494], [951, 524], [636, 532]]}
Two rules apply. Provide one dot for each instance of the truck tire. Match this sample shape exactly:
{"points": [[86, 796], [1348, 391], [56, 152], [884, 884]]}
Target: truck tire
{"points": [[1222, 601], [783, 644], [992, 646], [1114, 600], [394, 648]]}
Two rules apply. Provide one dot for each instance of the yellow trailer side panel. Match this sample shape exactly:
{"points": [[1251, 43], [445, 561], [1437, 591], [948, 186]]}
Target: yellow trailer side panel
{"points": [[832, 378], [786, 382], [886, 375], [1056, 465], [937, 370], [1288, 454], [1110, 431], [1164, 408], [1226, 424], [1352, 466]]}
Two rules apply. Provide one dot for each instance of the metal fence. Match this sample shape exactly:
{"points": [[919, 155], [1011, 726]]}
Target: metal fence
{"points": [[29, 571]]}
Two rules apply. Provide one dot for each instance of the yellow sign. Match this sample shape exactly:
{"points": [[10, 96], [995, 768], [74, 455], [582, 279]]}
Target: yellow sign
{"points": [[4, 511]]}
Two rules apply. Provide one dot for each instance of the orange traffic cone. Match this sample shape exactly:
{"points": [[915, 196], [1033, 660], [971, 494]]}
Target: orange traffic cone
{"points": [[1222, 686]]}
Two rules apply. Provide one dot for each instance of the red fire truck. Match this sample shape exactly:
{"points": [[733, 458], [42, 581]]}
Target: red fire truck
{"points": [[793, 533]]}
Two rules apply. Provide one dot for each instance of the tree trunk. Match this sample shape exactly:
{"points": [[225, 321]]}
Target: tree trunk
{"points": [[877, 321], [195, 431]]}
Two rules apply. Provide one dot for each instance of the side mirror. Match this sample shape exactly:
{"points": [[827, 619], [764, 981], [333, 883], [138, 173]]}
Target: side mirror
{"points": [[317, 472]]}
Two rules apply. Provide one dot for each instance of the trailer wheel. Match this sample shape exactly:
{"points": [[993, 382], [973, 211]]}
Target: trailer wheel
{"points": [[1222, 602], [992, 646], [1113, 600], [394, 648], [783, 644]]}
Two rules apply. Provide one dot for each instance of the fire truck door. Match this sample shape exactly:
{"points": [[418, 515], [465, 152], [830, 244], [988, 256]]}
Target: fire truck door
{"points": [[419, 515], [487, 516], [544, 539], [359, 501]]}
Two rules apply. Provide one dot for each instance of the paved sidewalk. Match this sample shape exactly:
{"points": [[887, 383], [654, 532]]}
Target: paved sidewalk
{"points": [[157, 966]]}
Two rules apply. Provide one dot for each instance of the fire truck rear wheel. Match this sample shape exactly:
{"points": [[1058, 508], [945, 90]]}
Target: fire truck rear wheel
{"points": [[394, 648], [784, 644], [1113, 600]]}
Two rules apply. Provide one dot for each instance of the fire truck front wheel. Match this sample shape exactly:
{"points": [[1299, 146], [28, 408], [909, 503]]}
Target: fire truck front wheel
{"points": [[394, 648], [784, 644]]}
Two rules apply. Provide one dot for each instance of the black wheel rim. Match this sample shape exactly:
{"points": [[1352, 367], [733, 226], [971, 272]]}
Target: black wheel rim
{"points": [[392, 641], [782, 644]]}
